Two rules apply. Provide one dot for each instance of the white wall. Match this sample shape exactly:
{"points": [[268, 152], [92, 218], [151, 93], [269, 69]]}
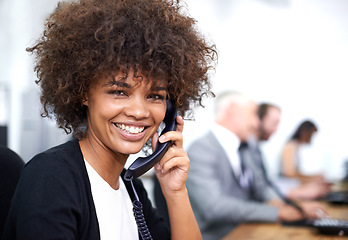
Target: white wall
{"points": [[293, 53], [289, 52], [21, 23]]}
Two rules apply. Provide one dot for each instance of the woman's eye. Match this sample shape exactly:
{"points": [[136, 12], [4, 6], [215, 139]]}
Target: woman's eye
{"points": [[156, 96], [118, 92]]}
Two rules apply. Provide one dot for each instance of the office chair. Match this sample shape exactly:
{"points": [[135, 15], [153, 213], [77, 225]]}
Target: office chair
{"points": [[11, 165]]}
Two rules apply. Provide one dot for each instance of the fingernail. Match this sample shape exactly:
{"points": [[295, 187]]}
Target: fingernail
{"points": [[161, 139], [158, 166]]}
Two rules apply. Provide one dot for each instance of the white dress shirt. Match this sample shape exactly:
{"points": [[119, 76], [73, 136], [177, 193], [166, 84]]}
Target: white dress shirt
{"points": [[230, 143]]}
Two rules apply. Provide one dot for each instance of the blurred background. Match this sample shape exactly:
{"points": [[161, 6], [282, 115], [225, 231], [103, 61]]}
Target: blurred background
{"points": [[293, 53]]}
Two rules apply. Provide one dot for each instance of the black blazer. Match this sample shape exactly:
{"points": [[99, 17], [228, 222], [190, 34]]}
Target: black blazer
{"points": [[53, 200]]}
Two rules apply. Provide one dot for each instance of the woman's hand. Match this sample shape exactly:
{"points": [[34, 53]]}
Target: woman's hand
{"points": [[172, 170]]}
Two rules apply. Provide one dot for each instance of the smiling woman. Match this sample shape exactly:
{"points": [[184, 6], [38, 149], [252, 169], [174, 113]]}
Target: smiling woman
{"points": [[88, 41], [106, 70], [123, 114]]}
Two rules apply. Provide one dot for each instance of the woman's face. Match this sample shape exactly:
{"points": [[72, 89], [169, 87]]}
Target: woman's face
{"points": [[307, 135], [123, 114]]}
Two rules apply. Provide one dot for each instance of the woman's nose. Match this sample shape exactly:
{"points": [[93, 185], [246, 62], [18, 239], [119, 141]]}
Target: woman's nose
{"points": [[137, 108]]}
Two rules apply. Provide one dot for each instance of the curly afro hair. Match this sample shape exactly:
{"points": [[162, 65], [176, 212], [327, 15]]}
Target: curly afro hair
{"points": [[84, 39]]}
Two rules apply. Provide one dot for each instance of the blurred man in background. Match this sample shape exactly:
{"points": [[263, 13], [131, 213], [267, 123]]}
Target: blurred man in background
{"points": [[270, 116], [223, 188]]}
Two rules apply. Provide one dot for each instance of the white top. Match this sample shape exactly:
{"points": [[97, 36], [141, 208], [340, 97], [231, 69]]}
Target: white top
{"points": [[113, 207]]}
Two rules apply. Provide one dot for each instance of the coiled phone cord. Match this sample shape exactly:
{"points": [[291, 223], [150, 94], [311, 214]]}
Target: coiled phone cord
{"points": [[139, 217]]}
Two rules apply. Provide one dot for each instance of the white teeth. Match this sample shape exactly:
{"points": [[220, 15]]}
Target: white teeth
{"points": [[132, 129]]}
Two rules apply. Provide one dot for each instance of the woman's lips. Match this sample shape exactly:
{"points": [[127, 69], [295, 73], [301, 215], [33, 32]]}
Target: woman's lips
{"points": [[131, 132], [130, 129]]}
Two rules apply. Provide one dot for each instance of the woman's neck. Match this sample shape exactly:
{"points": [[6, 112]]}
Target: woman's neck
{"points": [[107, 164]]}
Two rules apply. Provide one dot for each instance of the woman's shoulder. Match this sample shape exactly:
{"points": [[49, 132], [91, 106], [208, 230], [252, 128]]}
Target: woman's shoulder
{"points": [[292, 144], [290, 147], [66, 155]]}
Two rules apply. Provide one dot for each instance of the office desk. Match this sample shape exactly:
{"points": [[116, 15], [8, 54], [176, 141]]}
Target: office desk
{"points": [[270, 231]]}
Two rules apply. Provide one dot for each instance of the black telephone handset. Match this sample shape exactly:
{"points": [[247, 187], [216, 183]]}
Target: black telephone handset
{"points": [[143, 164]]}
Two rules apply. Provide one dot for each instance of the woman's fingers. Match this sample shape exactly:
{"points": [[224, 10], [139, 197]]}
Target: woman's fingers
{"points": [[174, 136], [179, 124], [169, 135], [174, 158]]}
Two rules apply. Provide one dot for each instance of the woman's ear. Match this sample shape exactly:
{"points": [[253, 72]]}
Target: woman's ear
{"points": [[85, 101]]}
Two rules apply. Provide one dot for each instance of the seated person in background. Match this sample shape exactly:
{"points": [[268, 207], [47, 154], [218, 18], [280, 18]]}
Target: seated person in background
{"points": [[11, 165], [290, 154], [106, 70], [223, 191], [270, 116]]}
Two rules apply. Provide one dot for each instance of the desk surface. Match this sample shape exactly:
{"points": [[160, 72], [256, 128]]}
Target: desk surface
{"points": [[269, 231]]}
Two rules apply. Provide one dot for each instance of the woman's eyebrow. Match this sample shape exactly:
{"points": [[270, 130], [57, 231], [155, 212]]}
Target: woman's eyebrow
{"points": [[158, 88], [117, 83]]}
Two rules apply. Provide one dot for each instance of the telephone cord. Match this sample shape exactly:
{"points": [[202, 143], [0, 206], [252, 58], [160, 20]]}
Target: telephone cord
{"points": [[139, 217]]}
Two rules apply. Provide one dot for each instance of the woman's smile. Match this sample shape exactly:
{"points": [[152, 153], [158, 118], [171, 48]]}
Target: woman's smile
{"points": [[130, 129], [131, 132]]}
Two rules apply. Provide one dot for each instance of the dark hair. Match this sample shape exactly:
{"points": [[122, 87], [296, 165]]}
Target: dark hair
{"points": [[85, 39], [263, 108], [305, 127]]}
